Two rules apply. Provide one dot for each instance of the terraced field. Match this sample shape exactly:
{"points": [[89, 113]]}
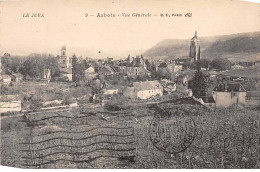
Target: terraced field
{"points": [[96, 138]]}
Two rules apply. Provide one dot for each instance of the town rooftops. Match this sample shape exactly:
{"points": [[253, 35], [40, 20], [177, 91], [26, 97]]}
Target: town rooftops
{"points": [[107, 69], [235, 87], [147, 85], [122, 63], [90, 69], [141, 69], [66, 70]]}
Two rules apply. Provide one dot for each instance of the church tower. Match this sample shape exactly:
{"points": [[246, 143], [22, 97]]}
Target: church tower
{"points": [[64, 59], [195, 48]]}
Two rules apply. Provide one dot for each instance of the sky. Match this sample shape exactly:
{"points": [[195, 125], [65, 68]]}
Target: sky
{"points": [[64, 23]]}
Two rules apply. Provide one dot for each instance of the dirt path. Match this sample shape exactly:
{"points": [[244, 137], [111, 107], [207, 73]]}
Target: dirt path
{"points": [[37, 112]]}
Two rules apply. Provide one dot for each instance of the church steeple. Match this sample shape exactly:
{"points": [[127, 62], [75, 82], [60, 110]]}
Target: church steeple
{"points": [[195, 48]]}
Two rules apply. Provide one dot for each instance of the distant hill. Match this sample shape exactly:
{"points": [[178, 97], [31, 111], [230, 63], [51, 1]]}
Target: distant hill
{"points": [[235, 47]]}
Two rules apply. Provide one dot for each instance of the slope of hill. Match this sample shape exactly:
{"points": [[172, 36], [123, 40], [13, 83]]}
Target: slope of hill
{"points": [[250, 72], [235, 47]]}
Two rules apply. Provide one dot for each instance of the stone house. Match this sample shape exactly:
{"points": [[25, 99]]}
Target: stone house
{"points": [[66, 72], [147, 89], [226, 95], [90, 73], [106, 71], [137, 71]]}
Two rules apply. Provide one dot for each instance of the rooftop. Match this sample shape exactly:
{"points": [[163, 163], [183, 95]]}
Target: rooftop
{"points": [[235, 87], [208, 99], [146, 85]]}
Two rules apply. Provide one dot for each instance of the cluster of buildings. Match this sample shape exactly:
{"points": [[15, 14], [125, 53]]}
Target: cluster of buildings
{"points": [[101, 71], [230, 94], [131, 66]]}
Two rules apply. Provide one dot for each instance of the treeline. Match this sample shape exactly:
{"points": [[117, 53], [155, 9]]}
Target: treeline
{"points": [[32, 65], [219, 64]]}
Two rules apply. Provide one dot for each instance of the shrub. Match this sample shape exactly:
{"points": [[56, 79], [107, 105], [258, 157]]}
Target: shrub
{"points": [[67, 99], [4, 89], [117, 103], [36, 103]]}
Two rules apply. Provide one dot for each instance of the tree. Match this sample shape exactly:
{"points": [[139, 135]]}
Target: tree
{"points": [[220, 64], [77, 70], [187, 64], [35, 65], [32, 67], [199, 84], [250, 85], [52, 64], [204, 63], [164, 73], [74, 68]]}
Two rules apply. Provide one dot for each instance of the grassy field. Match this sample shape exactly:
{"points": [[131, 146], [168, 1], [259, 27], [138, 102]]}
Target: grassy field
{"points": [[97, 138]]}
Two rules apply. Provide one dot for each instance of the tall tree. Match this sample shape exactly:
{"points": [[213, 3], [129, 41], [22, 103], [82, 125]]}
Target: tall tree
{"points": [[77, 70], [74, 68], [200, 84]]}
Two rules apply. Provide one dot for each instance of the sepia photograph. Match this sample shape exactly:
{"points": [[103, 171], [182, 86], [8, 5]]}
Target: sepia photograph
{"points": [[130, 84]]}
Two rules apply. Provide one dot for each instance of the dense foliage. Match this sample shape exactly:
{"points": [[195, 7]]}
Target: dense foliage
{"points": [[220, 64], [77, 70], [199, 84], [35, 65]]}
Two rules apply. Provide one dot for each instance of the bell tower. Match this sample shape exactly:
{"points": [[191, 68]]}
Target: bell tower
{"points": [[195, 48], [63, 51], [63, 57]]}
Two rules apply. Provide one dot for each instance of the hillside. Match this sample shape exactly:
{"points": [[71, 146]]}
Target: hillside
{"points": [[251, 72], [235, 47]]}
